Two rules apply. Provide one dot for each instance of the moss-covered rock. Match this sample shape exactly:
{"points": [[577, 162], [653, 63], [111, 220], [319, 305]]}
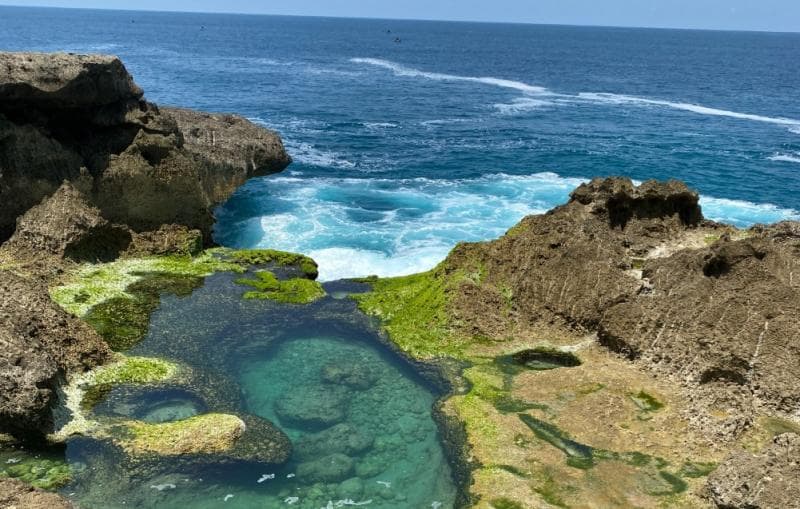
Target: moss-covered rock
{"points": [[273, 257], [291, 291], [203, 434]]}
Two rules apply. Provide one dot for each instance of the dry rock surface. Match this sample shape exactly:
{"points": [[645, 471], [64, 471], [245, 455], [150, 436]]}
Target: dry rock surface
{"points": [[82, 118]]}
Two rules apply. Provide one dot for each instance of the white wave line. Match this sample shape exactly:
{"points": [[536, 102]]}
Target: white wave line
{"points": [[401, 70]]}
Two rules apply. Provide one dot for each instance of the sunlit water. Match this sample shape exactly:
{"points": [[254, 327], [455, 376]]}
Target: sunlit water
{"points": [[459, 130], [372, 439]]}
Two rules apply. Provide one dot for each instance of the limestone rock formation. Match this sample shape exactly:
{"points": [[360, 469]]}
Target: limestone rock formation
{"points": [[19, 495], [82, 117], [65, 225], [760, 481], [41, 343], [641, 267]]}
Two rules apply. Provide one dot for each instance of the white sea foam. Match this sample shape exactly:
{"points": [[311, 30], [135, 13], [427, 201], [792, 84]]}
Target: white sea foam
{"points": [[521, 105], [401, 70], [744, 213], [358, 227], [786, 158], [309, 154], [694, 108]]}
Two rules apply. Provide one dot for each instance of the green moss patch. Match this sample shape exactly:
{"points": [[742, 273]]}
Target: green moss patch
{"points": [[202, 434], [273, 257], [647, 404], [413, 310], [130, 370], [44, 470], [505, 503], [291, 291]]}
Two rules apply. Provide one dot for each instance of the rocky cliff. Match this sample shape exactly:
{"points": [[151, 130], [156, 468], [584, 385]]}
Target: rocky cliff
{"points": [[82, 118], [91, 171]]}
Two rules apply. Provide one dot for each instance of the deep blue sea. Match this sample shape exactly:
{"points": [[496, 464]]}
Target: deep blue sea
{"points": [[409, 136]]}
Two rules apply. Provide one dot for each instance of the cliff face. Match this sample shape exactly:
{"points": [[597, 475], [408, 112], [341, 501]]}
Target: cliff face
{"points": [[90, 171], [83, 119]]}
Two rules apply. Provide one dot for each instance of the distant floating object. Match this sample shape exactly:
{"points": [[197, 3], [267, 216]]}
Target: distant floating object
{"points": [[398, 40], [202, 27]]}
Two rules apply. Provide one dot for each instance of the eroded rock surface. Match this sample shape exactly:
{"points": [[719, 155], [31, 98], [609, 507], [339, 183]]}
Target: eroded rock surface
{"points": [[16, 494], [720, 314], [41, 343], [71, 117], [759, 481]]}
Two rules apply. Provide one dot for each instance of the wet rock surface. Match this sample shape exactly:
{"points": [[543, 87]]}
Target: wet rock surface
{"points": [[17, 494]]}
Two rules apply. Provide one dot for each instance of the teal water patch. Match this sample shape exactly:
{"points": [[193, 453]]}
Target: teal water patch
{"points": [[360, 426], [359, 417]]}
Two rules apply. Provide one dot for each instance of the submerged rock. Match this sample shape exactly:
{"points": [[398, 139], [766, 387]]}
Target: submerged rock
{"points": [[341, 438], [333, 468], [759, 481], [312, 407], [354, 374]]}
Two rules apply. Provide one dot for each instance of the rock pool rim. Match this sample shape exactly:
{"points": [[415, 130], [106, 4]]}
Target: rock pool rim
{"points": [[445, 376]]}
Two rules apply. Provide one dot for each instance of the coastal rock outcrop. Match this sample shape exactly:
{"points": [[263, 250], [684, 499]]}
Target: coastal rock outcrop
{"points": [[83, 118], [65, 225], [41, 343], [633, 263]]}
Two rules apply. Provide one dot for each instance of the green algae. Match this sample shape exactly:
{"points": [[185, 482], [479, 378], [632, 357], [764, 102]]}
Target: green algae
{"points": [[291, 291], [129, 370], [47, 471], [123, 321], [578, 455], [413, 310], [271, 256], [694, 470], [647, 404], [206, 433], [505, 503], [93, 284]]}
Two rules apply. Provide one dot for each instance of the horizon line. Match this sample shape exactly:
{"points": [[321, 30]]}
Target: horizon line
{"points": [[430, 20]]}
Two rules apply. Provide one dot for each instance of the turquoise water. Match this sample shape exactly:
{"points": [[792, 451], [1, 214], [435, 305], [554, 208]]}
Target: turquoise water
{"points": [[402, 150], [359, 417]]}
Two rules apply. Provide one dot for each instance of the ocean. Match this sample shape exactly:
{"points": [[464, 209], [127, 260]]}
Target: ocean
{"points": [[411, 136]]}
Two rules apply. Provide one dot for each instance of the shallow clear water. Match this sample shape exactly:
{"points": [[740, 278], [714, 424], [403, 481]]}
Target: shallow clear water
{"points": [[360, 418], [403, 149]]}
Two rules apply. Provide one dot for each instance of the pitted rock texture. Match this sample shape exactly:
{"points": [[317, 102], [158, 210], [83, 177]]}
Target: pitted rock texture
{"points": [[82, 117], [41, 343], [720, 315], [15, 494], [765, 480], [67, 226]]}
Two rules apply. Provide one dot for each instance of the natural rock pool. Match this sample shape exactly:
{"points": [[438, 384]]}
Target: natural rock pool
{"points": [[359, 417]]}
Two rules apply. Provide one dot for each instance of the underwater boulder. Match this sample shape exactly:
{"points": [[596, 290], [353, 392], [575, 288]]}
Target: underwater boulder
{"points": [[333, 468], [312, 407], [341, 438], [356, 375]]}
